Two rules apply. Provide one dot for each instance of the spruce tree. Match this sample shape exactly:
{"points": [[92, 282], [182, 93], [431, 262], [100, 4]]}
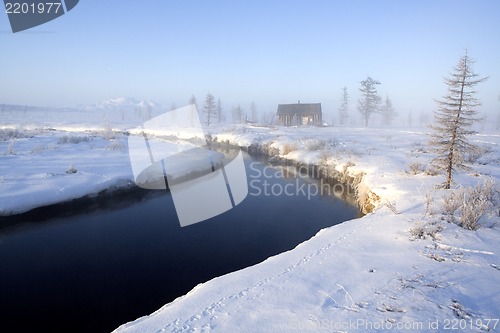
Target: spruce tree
{"points": [[209, 108], [388, 111], [370, 100], [453, 119], [344, 107]]}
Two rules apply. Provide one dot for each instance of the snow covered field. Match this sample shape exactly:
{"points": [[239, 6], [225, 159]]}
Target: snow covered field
{"points": [[400, 268], [403, 267]]}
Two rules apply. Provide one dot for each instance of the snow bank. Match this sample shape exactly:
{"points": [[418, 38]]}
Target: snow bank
{"points": [[399, 268], [39, 169], [44, 167]]}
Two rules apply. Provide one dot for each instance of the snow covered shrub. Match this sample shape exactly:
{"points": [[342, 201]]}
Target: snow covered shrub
{"points": [[415, 168], [451, 204], [350, 152], [75, 139], [477, 202], [7, 134], [426, 230], [107, 133], [115, 145], [71, 170], [392, 206], [431, 171], [313, 144], [418, 148], [471, 203], [429, 200]]}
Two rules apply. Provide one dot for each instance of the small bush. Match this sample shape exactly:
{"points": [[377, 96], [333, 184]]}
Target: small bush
{"points": [[426, 230], [451, 204], [314, 144], [476, 203], [75, 139], [431, 171], [71, 170], [108, 133], [7, 134], [115, 145], [429, 200], [415, 168], [471, 203], [392, 206], [417, 147]]}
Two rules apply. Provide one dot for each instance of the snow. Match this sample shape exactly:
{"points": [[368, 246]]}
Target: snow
{"points": [[366, 274], [34, 174]]}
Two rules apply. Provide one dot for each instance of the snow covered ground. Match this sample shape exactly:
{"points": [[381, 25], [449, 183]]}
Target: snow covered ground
{"points": [[38, 167], [403, 267]]}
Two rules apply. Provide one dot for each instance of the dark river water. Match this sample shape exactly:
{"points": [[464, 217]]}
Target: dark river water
{"points": [[96, 263]]}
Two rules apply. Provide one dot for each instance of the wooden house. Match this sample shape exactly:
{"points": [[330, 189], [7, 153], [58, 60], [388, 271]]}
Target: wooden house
{"points": [[300, 114]]}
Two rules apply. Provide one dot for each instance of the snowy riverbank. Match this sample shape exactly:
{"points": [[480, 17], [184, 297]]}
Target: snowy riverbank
{"points": [[44, 167], [402, 267]]}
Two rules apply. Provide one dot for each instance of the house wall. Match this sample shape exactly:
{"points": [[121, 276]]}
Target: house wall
{"points": [[300, 119]]}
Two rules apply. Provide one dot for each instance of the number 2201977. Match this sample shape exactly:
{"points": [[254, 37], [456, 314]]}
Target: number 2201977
{"points": [[32, 8]]}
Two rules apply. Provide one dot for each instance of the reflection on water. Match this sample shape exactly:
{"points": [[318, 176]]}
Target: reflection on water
{"points": [[95, 263]]}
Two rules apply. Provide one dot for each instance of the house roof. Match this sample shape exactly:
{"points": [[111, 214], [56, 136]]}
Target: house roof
{"points": [[299, 108]]}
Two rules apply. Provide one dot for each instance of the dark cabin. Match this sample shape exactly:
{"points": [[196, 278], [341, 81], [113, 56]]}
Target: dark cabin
{"points": [[300, 114]]}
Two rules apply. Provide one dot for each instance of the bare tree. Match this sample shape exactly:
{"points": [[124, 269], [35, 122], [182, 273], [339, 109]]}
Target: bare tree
{"points": [[370, 100], [344, 107], [453, 119], [209, 109], [388, 111]]}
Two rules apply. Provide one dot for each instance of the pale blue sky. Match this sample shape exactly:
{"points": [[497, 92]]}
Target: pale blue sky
{"points": [[269, 52]]}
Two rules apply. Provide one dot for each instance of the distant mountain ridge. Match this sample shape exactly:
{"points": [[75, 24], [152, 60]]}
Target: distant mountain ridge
{"points": [[124, 104]]}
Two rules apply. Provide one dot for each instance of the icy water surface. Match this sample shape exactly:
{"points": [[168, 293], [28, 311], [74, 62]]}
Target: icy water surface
{"points": [[95, 264]]}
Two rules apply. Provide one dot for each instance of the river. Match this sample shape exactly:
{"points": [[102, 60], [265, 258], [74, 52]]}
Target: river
{"points": [[96, 263]]}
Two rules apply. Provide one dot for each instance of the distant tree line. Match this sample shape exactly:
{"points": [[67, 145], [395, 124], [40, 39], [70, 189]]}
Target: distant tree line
{"points": [[368, 104], [212, 111]]}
